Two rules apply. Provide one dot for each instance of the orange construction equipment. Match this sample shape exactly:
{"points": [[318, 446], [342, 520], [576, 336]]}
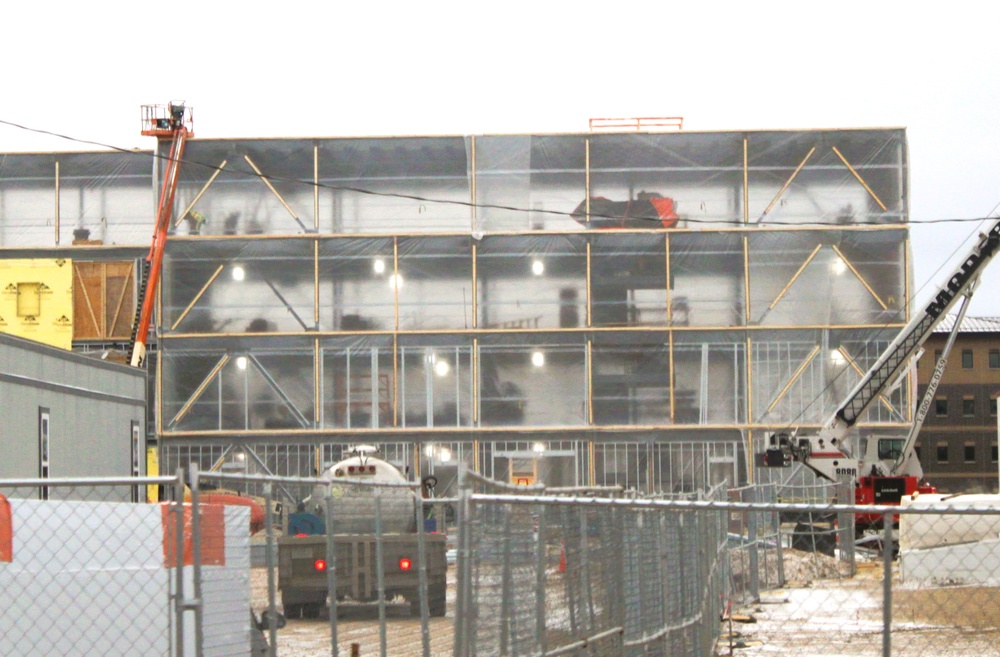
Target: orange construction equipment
{"points": [[171, 121]]}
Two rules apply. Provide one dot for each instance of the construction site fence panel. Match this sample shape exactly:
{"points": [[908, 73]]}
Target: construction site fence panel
{"points": [[231, 567]]}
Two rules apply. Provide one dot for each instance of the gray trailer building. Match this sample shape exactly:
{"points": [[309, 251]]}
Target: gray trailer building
{"points": [[69, 415]]}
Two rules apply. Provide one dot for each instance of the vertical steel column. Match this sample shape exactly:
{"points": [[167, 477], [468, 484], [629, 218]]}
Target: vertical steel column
{"points": [[473, 210], [590, 300], [57, 181], [586, 176], [590, 383], [316, 190], [746, 182], [475, 286], [317, 388], [272, 612]]}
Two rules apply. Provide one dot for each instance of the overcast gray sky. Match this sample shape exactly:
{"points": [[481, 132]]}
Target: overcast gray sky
{"points": [[261, 69]]}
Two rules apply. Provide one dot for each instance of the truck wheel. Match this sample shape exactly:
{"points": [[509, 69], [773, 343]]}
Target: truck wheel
{"points": [[437, 599]]}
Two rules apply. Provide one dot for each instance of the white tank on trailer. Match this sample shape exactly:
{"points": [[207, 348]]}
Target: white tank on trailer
{"points": [[354, 502]]}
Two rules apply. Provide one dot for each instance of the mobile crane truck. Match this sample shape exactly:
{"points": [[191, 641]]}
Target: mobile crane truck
{"points": [[885, 468], [302, 550]]}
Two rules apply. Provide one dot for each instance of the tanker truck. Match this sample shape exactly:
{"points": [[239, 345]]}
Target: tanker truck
{"points": [[302, 550]]}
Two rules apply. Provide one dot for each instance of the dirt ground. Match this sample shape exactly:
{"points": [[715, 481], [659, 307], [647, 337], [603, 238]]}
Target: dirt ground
{"points": [[844, 617], [360, 624], [821, 613]]}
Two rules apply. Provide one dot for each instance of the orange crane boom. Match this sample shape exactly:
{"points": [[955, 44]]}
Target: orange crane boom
{"points": [[173, 122]]}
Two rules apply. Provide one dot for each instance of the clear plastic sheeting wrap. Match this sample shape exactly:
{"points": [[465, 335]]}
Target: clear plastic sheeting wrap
{"points": [[706, 277], [628, 279], [827, 277], [532, 281], [530, 182], [56, 198], [434, 283], [239, 286], [247, 187], [436, 382], [801, 377], [233, 385], [574, 291], [532, 380], [357, 284], [708, 371], [830, 177], [631, 380], [357, 388], [337, 186], [701, 173]]}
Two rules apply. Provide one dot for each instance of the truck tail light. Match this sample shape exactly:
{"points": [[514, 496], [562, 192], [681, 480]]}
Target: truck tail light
{"points": [[319, 564], [405, 564]]}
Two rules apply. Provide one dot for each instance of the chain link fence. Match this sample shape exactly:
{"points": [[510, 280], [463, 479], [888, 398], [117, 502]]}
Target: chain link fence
{"points": [[245, 565]]}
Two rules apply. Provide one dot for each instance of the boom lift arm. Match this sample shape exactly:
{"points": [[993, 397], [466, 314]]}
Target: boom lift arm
{"points": [[825, 452], [173, 122]]}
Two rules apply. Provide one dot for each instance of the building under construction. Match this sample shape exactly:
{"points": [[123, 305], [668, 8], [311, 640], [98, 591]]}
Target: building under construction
{"points": [[634, 308]]}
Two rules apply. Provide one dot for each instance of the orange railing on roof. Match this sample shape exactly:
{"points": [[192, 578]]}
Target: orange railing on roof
{"points": [[639, 123]]}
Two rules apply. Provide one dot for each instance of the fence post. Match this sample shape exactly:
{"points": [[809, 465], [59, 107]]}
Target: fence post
{"points": [[585, 588], [845, 526], [331, 569], [568, 576], [178, 511], [887, 550], [780, 551], [196, 603], [425, 612], [618, 523], [380, 573], [540, 580], [506, 587], [272, 611], [752, 537], [465, 621]]}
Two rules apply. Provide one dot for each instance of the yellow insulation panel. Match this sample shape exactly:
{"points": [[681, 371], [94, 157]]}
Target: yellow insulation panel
{"points": [[36, 300]]}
